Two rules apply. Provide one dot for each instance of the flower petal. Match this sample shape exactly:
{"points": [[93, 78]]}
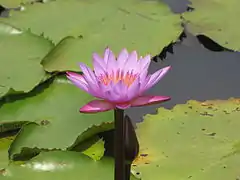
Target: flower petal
{"points": [[134, 89], [154, 78], [93, 84], [148, 100], [122, 58], [88, 73], [144, 63], [106, 54], [78, 80], [111, 62], [123, 105], [132, 63], [97, 106], [121, 90], [98, 64], [76, 76]]}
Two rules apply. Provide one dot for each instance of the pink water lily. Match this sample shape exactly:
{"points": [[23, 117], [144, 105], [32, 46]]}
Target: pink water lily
{"points": [[118, 82]]}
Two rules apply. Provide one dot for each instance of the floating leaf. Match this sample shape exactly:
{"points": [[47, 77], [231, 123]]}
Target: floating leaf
{"points": [[147, 26], [12, 3], [17, 3], [96, 148], [192, 141], [61, 166], [56, 120], [4, 145], [21, 54], [217, 20]]}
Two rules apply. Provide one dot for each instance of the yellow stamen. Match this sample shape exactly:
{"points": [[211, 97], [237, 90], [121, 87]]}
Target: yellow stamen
{"points": [[127, 79]]}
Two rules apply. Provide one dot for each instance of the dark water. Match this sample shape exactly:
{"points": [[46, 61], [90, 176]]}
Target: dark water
{"points": [[177, 6], [197, 73]]}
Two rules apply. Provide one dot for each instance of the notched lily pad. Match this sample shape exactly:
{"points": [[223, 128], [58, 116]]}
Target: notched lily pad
{"points": [[217, 20], [147, 26], [18, 3], [92, 147], [195, 140], [53, 111], [5, 143], [61, 165], [21, 54]]}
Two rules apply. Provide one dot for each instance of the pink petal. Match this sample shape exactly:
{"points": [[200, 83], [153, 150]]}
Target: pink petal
{"points": [[132, 62], [76, 76], [90, 77], [88, 74], [134, 89], [78, 80], [106, 54], [122, 58], [97, 106], [144, 63], [111, 62], [98, 64], [148, 100], [123, 105], [121, 90], [157, 76]]}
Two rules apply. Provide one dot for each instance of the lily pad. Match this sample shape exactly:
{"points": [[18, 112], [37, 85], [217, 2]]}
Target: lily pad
{"points": [[12, 3], [17, 3], [147, 26], [217, 20], [61, 165], [4, 145], [21, 54], [55, 120], [192, 141], [94, 148]]}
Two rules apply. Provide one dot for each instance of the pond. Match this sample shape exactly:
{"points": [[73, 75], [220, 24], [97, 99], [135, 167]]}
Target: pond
{"points": [[51, 129]]}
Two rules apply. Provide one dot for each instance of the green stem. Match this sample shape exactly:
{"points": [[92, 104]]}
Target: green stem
{"points": [[119, 145]]}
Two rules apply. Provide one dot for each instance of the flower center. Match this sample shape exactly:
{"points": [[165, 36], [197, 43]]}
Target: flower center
{"points": [[127, 78]]}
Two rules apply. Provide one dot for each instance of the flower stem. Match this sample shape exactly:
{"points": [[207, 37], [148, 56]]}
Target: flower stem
{"points": [[119, 143]]}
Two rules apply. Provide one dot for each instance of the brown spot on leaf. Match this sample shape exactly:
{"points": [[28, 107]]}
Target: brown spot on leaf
{"points": [[236, 109], [141, 160], [211, 134], [2, 171], [206, 103], [206, 114], [44, 122], [226, 112]]}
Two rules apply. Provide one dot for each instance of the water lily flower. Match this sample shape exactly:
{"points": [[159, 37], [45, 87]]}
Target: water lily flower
{"points": [[118, 82]]}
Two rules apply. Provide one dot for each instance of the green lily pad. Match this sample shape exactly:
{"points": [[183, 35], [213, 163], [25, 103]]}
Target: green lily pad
{"points": [[4, 145], [192, 141], [21, 54], [17, 3], [217, 20], [94, 148], [147, 26], [61, 166], [56, 122], [12, 3]]}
